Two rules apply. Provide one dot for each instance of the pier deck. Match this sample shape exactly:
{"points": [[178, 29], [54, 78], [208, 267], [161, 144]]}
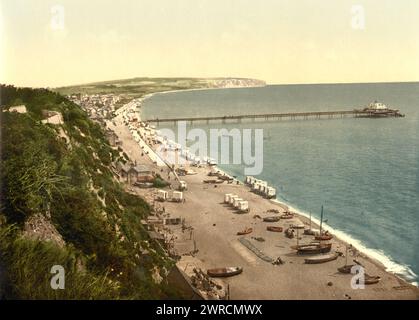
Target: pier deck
{"points": [[291, 115]]}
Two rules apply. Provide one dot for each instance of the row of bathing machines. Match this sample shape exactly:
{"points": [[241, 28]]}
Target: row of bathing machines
{"points": [[260, 187], [236, 202]]}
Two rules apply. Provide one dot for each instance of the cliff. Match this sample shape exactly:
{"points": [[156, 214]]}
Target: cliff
{"points": [[60, 205]]}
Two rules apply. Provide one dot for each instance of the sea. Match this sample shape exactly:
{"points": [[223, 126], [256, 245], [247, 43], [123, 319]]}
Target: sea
{"points": [[363, 171]]}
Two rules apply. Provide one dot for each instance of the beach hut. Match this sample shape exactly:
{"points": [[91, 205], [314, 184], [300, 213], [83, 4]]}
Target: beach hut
{"points": [[263, 183], [162, 195], [227, 197], [177, 196], [270, 193], [249, 180], [255, 186], [244, 206], [236, 202], [232, 198]]}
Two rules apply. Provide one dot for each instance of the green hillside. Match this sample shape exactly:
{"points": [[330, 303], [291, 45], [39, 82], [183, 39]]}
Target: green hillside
{"points": [[61, 175]]}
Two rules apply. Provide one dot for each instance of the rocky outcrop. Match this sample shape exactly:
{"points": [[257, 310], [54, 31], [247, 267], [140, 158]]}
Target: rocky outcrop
{"points": [[38, 227]]}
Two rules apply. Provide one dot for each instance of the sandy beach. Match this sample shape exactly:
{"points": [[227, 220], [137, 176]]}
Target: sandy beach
{"points": [[214, 241]]}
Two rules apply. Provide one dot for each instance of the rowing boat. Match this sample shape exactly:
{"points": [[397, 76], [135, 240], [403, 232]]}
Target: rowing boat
{"points": [[271, 219], [274, 229], [287, 216], [371, 279], [245, 231], [346, 268], [224, 272], [321, 258]]}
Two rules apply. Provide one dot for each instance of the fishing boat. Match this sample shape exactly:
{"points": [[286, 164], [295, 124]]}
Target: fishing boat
{"points": [[324, 237], [271, 219], [245, 231], [346, 268], [209, 181], [321, 258], [274, 229], [297, 224], [287, 215], [310, 231], [224, 272], [313, 248], [371, 279]]}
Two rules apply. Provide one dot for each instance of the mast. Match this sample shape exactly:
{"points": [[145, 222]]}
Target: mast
{"points": [[346, 256], [298, 235], [321, 221], [310, 220]]}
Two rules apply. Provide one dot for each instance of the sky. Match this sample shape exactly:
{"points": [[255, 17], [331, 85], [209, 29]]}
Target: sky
{"points": [[47, 43]]}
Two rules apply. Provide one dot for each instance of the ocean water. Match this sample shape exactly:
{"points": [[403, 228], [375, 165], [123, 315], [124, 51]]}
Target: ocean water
{"points": [[364, 171]]}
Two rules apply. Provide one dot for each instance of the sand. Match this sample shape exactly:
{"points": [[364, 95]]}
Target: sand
{"points": [[214, 236]]}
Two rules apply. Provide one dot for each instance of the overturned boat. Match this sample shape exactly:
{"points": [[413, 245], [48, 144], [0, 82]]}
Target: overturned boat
{"points": [[224, 272], [321, 258], [271, 219], [274, 229]]}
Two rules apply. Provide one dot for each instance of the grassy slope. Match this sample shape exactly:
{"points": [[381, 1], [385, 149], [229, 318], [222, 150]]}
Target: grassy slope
{"points": [[71, 182]]}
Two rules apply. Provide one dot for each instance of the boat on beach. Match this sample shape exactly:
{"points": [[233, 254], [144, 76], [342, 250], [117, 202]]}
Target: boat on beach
{"points": [[371, 279], [346, 268], [313, 248], [274, 229], [245, 231], [271, 219], [224, 272], [287, 215], [311, 232], [297, 224], [324, 237], [321, 258]]}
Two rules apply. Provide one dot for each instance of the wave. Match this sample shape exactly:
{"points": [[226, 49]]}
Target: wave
{"points": [[401, 270]]}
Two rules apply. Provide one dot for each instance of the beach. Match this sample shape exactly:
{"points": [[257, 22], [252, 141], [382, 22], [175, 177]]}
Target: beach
{"points": [[211, 240]]}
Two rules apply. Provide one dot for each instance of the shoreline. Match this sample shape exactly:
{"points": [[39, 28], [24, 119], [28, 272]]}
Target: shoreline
{"points": [[375, 255], [400, 270], [340, 237]]}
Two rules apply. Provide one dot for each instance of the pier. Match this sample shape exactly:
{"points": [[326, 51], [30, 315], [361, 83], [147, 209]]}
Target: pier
{"points": [[291, 115]]}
